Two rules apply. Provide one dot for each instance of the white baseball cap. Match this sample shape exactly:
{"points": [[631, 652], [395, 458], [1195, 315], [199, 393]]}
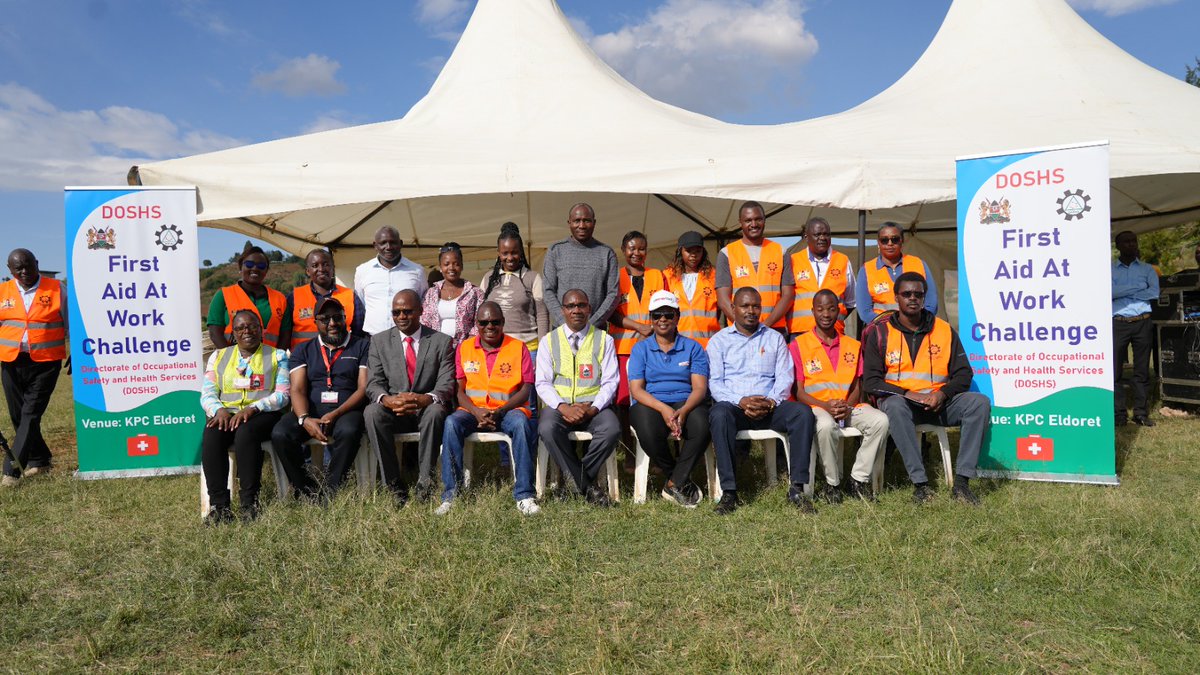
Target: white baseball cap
{"points": [[662, 299]]}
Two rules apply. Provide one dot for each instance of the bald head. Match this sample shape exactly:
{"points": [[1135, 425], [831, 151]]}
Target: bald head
{"points": [[23, 267]]}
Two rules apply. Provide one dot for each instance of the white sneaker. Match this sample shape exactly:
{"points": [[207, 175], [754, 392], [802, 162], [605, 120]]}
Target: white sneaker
{"points": [[528, 507], [443, 509], [9, 481]]}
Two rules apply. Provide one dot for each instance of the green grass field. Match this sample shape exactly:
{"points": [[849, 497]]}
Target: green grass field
{"points": [[120, 575]]}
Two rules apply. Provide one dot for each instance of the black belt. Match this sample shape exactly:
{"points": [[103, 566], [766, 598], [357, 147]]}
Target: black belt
{"points": [[1132, 319]]}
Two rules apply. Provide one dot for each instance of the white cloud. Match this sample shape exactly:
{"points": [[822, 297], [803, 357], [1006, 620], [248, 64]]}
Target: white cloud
{"points": [[1117, 7], [309, 75], [334, 119], [207, 18], [46, 148], [441, 13], [710, 55]]}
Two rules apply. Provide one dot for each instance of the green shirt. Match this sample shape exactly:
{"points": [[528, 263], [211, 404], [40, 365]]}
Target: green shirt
{"points": [[218, 315]]}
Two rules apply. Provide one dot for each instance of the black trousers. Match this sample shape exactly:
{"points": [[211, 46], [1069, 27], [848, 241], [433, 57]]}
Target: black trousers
{"points": [[792, 419], [247, 442], [605, 430], [1139, 335], [289, 438], [653, 434], [382, 425], [28, 385]]}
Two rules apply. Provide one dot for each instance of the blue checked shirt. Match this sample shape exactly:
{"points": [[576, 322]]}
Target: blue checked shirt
{"points": [[755, 365]]}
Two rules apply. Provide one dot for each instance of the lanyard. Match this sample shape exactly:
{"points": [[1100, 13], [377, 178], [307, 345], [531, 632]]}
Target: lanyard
{"points": [[329, 365]]}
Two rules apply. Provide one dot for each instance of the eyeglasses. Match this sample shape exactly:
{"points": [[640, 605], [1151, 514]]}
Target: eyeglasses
{"points": [[403, 312], [912, 294], [576, 305], [484, 323], [251, 265], [659, 316], [336, 318], [890, 240]]}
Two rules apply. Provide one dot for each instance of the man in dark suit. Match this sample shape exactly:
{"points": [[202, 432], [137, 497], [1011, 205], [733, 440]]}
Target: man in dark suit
{"points": [[410, 383]]}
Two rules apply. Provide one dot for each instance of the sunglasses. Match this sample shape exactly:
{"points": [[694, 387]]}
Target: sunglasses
{"points": [[336, 318], [891, 240], [484, 323], [912, 294], [403, 312], [576, 305], [251, 265], [658, 316]]}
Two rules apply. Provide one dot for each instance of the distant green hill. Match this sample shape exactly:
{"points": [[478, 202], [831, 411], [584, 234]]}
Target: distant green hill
{"points": [[283, 277]]}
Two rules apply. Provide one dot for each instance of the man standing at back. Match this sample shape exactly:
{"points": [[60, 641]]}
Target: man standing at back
{"points": [[756, 262], [874, 287], [1134, 287], [581, 262], [33, 344], [303, 300], [819, 267], [377, 281]]}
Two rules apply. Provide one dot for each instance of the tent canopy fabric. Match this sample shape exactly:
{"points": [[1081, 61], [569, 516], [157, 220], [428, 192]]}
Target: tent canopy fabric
{"points": [[525, 120]]}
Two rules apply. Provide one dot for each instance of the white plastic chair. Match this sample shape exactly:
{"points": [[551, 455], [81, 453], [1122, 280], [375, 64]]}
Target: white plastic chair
{"points": [[943, 443], [471, 441], [282, 486], [544, 466], [769, 438], [876, 469], [641, 474], [397, 440], [365, 463]]}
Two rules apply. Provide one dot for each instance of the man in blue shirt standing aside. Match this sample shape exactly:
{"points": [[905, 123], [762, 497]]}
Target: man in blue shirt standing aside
{"points": [[1134, 286], [750, 377]]}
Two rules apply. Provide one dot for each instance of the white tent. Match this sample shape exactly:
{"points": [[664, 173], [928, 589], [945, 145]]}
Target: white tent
{"points": [[525, 120]]}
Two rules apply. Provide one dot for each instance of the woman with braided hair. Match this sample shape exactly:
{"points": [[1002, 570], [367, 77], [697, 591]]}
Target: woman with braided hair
{"points": [[517, 289]]}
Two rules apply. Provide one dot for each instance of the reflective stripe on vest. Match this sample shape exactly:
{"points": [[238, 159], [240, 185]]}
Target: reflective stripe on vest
{"points": [[304, 320], [261, 362], [43, 322], [237, 299], [698, 317], [767, 277], [879, 281], [806, 289], [629, 306], [823, 380], [929, 370], [490, 389], [576, 376]]}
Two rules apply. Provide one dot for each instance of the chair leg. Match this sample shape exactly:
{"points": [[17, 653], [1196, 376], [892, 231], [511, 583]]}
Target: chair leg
{"points": [[877, 471], [468, 462], [614, 487], [204, 505], [363, 464], [641, 474], [769, 456], [539, 481], [710, 470], [944, 442], [810, 486]]}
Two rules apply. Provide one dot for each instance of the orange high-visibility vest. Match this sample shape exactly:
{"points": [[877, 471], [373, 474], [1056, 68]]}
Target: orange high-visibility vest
{"points": [[767, 278], [879, 282], [491, 389], [926, 371], [807, 287], [823, 380], [304, 306], [236, 300], [629, 306], [47, 332], [699, 318]]}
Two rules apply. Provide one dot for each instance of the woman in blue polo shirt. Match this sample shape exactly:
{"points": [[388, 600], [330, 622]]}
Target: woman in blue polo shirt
{"points": [[668, 381]]}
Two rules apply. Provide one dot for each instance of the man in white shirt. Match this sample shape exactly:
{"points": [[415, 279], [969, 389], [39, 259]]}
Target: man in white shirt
{"points": [[379, 279]]}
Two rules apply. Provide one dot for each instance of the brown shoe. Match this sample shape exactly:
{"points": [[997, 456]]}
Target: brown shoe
{"points": [[36, 471], [9, 481]]}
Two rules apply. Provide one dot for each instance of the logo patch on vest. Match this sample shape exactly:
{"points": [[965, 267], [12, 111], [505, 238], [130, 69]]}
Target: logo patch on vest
{"points": [[803, 275], [812, 367], [881, 288], [585, 371], [7, 304], [934, 350], [835, 272], [741, 271], [849, 358], [306, 313], [44, 300], [893, 358], [470, 366], [772, 267], [505, 369]]}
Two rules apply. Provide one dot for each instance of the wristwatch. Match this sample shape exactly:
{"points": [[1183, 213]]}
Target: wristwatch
{"points": [[301, 419]]}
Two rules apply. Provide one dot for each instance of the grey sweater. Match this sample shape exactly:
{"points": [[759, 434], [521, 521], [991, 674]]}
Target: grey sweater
{"points": [[591, 268]]}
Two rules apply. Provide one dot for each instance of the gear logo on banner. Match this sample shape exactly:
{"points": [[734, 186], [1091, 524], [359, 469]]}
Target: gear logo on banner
{"points": [[1073, 204], [168, 237]]}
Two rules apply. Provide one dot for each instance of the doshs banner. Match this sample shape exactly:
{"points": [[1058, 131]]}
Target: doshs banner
{"points": [[1034, 269], [134, 301]]}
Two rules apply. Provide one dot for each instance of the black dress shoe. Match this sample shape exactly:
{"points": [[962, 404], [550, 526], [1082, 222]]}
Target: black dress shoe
{"points": [[423, 492], [800, 500], [248, 513], [1143, 421], [598, 497], [832, 494], [728, 503], [218, 515], [962, 492], [923, 494], [857, 490]]}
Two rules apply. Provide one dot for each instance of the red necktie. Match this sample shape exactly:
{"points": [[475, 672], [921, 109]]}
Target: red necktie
{"points": [[410, 360]]}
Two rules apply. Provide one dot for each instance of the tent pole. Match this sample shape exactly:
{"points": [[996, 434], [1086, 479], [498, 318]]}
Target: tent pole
{"points": [[862, 237]]}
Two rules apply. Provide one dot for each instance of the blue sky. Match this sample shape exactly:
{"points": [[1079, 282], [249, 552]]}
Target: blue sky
{"points": [[88, 88]]}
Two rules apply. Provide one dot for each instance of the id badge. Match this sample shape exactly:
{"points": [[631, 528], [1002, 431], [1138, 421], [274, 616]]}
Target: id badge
{"points": [[241, 382], [329, 397]]}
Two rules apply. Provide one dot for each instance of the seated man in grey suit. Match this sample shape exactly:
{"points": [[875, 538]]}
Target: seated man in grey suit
{"points": [[576, 377], [410, 383]]}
